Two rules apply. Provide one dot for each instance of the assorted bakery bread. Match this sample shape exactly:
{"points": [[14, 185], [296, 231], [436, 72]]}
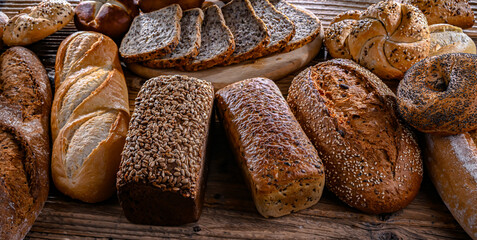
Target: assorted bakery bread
{"points": [[163, 170], [25, 101], [372, 160], [33, 24], [89, 117], [278, 161]]}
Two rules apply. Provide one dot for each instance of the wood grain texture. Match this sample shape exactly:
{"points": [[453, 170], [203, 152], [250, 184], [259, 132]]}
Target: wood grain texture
{"points": [[229, 211]]}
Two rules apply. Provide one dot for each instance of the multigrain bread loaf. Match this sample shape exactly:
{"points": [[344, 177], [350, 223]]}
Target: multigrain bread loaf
{"points": [[35, 23], [451, 163], [217, 41], [446, 38], [307, 25], [152, 35], [250, 33], [3, 23], [162, 177], [189, 43], [25, 101], [281, 29], [371, 158], [388, 38], [89, 117], [454, 12], [278, 161]]}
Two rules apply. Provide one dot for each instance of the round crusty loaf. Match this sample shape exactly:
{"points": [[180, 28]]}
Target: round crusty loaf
{"points": [[446, 38], [35, 23], [371, 158], [110, 17], [454, 12], [3, 22], [437, 95], [387, 38]]}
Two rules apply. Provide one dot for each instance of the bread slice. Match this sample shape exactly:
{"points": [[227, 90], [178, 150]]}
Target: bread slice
{"points": [[152, 35], [189, 42], [307, 25], [281, 29], [217, 42], [250, 33]]}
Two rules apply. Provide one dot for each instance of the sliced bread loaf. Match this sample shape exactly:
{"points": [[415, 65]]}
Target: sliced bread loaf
{"points": [[307, 25], [217, 42], [281, 29], [152, 34], [250, 33], [189, 43]]}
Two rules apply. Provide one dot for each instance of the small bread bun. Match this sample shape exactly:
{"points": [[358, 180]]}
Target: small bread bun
{"points": [[446, 38], [153, 5], [3, 22], [111, 17]]}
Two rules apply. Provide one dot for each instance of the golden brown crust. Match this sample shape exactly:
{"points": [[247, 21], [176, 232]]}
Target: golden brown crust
{"points": [[25, 102], [454, 12], [152, 5], [372, 160], [3, 22], [446, 38]]}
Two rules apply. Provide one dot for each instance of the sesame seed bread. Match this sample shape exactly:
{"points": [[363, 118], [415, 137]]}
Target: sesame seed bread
{"points": [[162, 176], [446, 38], [189, 43], [455, 12], [307, 25], [152, 35], [278, 161], [250, 33], [281, 29], [217, 41], [371, 158], [33, 24]]}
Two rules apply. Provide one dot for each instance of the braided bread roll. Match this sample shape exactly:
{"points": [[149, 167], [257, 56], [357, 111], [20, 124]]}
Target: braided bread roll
{"points": [[89, 118]]}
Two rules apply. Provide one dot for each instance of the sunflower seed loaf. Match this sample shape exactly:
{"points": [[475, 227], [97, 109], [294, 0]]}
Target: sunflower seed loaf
{"points": [[161, 178], [250, 33], [189, 43], [217, 41], [281, 29], [307, 25], [152, 35]]}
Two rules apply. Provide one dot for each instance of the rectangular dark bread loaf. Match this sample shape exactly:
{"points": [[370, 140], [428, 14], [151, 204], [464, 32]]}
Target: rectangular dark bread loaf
{"points": [[25, 101], [278, 161], [372, 160], [161, 179]]}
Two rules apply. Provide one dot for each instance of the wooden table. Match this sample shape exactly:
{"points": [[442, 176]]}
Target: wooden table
{"points": [[229, 211]]}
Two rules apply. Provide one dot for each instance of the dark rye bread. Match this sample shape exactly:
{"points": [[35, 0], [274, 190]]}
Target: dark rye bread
{"points": [[162, 175], [189, 43], [152, 35], [278, 161], [250, 33], [217, 41], [281, 29], [307, 25], [371, 158]]}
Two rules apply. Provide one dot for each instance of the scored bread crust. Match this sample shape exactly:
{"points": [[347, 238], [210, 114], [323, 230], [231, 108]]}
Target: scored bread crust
{"points": [[446, 38], [175, 59], [166, 47], [455, 12], [372, 160]]}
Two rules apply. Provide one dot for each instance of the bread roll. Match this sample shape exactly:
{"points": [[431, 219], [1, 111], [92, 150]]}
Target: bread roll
{"points": [[163, 170], [112, 17], [3, 22], [371, 158], [25, 101], [446, 38], [279, 163], [89, 117], [454, 12], [452, 165], [153, 5], [33, 24]]}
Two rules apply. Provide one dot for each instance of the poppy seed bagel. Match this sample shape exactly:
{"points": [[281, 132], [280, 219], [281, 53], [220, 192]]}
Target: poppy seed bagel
{"points": [[439, 94]]}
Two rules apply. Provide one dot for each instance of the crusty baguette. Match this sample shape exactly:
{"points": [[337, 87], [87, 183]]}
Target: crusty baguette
{"points": [[89, 118], [278, 161], [451, 162], [25, 101]]}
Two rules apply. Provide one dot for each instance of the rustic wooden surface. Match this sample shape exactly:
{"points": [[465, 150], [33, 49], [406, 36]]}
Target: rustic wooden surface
{"points": [[229, 211]]}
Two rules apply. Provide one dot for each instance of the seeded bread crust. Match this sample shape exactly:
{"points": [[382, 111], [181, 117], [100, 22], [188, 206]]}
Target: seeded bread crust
{"points": [[455, 12], [250, 33], [142, 43], [217, 41], [161, 179], [281, 29], [189, 43], [307, 25]]}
